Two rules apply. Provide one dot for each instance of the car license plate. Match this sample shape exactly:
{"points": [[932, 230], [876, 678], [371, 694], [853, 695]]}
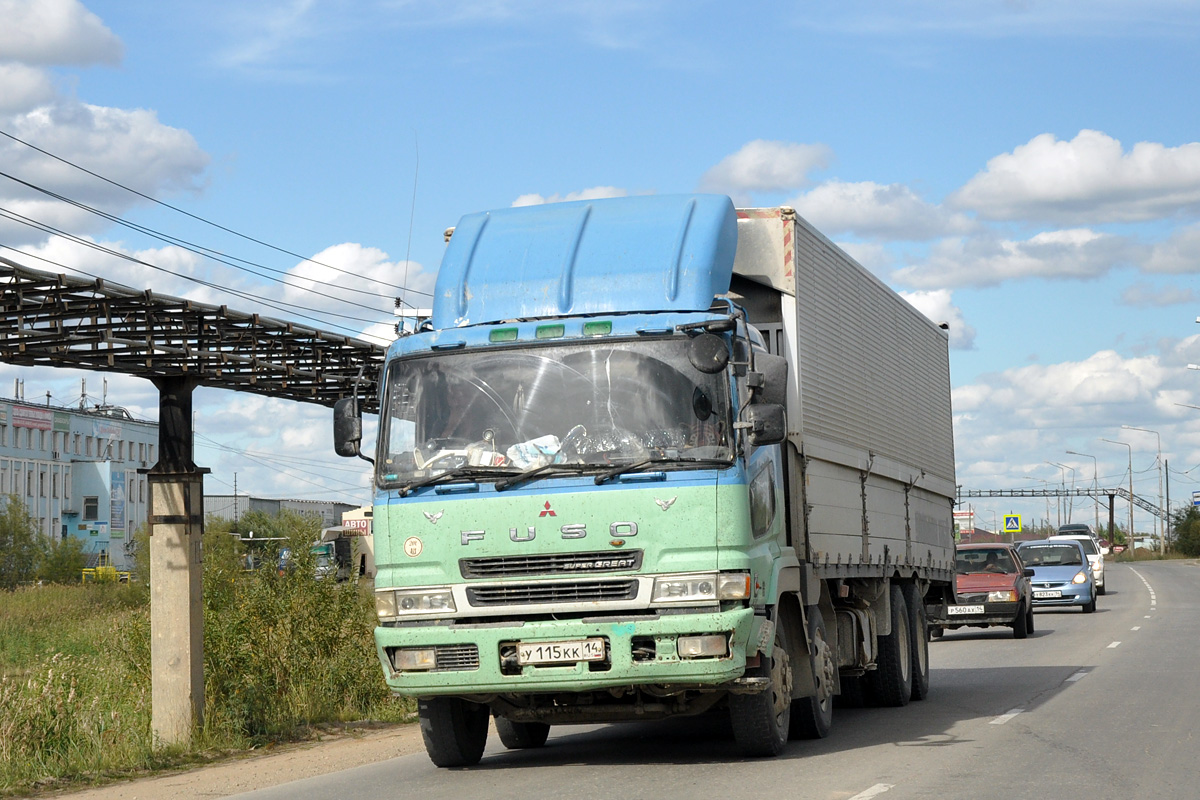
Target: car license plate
{"points": [[560, 652], [1046, 594], [952, 610]]}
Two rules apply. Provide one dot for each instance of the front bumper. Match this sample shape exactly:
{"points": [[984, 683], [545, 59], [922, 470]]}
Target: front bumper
{"points": [[1073, 594], [475, 654], [992, 614]]}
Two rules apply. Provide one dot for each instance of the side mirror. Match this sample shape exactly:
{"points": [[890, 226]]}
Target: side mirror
{"points": [[347, 427], [765, 422], [773, 381], [1028, 572]]}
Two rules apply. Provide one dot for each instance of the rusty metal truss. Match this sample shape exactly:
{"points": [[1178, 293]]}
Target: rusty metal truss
{"points": [[64, 321]]}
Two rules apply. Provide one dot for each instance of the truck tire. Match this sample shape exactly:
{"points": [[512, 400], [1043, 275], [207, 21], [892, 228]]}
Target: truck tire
{"points": [[761, 722], [521, 735], [1020, 625], [812, 717], [918, 624], [891, 682], [454, 730]]}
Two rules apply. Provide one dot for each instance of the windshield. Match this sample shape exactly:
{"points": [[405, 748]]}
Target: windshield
{"points": [[998, 560], [1052, 555], [514, 410]]}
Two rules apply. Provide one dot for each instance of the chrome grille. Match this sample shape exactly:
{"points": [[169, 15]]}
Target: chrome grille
{"points": [[551, 592], [557, 564]]}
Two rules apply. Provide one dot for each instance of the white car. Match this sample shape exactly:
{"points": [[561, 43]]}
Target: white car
{"points": [[1095, 558]]}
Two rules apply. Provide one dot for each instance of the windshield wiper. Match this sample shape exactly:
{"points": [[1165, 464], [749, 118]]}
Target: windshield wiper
{"points": [[448, 475], [520, 478], [649, 462]]}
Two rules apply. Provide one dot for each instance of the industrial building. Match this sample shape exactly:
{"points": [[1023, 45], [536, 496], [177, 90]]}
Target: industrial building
{"points": [[79, 472]]}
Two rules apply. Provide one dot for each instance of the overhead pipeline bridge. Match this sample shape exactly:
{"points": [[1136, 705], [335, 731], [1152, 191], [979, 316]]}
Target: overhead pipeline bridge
{"points": [[1124, 494], [63, 321]]}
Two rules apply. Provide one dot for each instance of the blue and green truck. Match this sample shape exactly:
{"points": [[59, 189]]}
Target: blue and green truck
{"points": [[656, 456]]}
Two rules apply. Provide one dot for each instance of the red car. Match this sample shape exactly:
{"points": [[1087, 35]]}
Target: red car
{"points": [[992, 589]]}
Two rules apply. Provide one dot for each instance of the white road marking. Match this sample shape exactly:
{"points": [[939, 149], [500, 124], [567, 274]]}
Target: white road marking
{"points": [[1003, 718], [1136, 628], [1114, 644], [874, 791], [1077, 676]]}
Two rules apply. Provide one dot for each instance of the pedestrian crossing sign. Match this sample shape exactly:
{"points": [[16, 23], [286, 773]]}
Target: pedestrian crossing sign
{"points": [[1012, 523]]}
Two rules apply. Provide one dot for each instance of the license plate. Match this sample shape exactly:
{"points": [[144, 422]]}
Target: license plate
{"points": [[560, 652], [1046, 594], [952, 610]]}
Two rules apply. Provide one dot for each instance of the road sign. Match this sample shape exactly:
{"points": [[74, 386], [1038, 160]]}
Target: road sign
{"points": [[1196, 498], [1012, 523]]}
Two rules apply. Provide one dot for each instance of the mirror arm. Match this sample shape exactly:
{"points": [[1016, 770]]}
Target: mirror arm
{"points": [[357, 445]]}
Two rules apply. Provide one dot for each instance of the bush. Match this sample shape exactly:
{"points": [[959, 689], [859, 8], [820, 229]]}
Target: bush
{"points": [[63, 561], [281, 652]]}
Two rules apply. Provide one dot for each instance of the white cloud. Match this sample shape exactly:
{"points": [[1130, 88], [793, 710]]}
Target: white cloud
{"points": [[1089, 179], [1180, 254], [1144, 295], [594, 193], [938, 306], [766, 166], [876, 211], [23, 87], [1074, 253], [55, 32], [128, 147]]}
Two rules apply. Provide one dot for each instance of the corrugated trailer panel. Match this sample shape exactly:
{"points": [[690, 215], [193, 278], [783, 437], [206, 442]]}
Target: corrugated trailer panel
{"points": [[871, 403]]}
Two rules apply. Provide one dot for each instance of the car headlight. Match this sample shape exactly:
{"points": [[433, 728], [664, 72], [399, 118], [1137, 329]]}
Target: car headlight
{"points": [[1080, 577], [426, 600], [1006, 596], [700, 587]]}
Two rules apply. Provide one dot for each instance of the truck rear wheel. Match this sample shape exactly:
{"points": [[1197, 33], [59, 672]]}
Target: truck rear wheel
{"points": [[891, 682], [761, 721], [521, 735], [918, 623], [812, 717], [455, 731]]}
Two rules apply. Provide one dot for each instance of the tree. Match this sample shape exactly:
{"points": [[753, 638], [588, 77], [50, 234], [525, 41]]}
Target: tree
{"points": [[21, 549], [1186, 523]]}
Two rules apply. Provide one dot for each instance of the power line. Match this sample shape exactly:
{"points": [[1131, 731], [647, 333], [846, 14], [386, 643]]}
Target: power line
{"points": [[278, 305], [198, 249], [194, 216]]}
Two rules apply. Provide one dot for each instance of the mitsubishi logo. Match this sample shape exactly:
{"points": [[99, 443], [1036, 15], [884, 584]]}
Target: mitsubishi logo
{"points": [[547, 511]]}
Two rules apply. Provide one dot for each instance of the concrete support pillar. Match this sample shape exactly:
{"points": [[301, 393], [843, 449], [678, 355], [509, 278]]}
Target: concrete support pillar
{"points": [[176, 613]]}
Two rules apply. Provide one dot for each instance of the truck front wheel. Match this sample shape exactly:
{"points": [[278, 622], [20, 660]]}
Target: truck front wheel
{"points": [[891, 682], [521, 735], [761, 721], [454, 730], [812, 717]]}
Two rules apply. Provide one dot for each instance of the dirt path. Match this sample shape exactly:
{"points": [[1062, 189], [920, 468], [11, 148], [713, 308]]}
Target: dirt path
{"points": [[268, 768]]}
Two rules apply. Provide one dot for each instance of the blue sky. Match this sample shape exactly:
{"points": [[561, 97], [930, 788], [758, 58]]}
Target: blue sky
{"points": [[1028, 171]]}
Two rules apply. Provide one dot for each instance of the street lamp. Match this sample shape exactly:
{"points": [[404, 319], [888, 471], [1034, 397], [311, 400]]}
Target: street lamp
{"points": [[1160, 524], [1064, 468], [1129, 533], [1095, 485]]}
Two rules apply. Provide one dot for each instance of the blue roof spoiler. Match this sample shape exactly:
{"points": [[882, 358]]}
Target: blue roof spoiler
{"points": [[625, 254]]}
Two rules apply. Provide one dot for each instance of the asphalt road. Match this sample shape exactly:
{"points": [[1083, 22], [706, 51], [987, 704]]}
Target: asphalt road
{"points": [[1093, 706]]}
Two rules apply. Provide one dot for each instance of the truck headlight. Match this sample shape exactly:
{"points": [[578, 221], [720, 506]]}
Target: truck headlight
{"points": [[426, 600], [1006, 596], [700, 587]]}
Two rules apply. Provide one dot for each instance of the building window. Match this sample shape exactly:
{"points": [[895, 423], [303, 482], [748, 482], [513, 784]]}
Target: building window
{"points": [[54, 484], [3, 435], [91, 508], [41, 483], [77, 438], [141, 451]]}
